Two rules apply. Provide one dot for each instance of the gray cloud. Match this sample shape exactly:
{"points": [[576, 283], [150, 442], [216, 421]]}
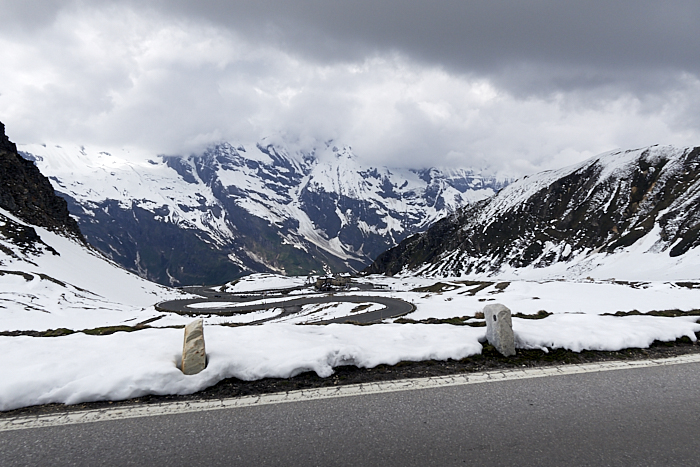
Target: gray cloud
{"points": [[581, 44], [515, 86]]}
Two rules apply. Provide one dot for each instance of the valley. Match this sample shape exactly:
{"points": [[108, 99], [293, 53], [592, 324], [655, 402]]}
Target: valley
{"points": [[77, 327], [233, 210]]}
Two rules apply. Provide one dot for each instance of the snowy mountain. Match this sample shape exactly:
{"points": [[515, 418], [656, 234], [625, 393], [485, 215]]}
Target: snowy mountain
{"points": [[624, 215], [237, 209]]}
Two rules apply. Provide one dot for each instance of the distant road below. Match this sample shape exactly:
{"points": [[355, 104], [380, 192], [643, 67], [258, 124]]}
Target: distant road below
{"points": [[630, 417], [393, 307]]}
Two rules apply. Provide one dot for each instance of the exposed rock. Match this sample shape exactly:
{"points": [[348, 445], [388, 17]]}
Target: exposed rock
{"points": [[499, 328], [27, 194], [194, 356]]}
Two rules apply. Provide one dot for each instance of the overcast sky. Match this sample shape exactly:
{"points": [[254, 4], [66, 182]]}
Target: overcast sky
{"points": [[510, 86]]}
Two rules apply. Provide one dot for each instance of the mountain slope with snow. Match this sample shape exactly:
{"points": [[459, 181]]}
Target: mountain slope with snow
{"points": [[51, 281], [236, 209], [49, 276], [625, 214]]}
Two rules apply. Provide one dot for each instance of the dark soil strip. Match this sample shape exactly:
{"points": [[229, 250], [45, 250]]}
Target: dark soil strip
{"points": [[489, 360]]}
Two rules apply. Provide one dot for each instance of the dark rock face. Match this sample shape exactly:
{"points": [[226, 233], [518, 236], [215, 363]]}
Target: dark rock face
{"points": [[599, 206], [23, 236], [26, 193]]}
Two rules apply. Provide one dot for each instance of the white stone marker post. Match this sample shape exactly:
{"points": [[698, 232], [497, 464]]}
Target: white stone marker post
{"points": [[194, 356], [499, 328]]}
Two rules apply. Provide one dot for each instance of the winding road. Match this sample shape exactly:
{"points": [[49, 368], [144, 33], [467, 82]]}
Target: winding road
{"points": [[393, 307]]}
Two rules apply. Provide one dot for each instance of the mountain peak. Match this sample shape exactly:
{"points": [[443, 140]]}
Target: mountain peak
{"points": [[5, 143]]}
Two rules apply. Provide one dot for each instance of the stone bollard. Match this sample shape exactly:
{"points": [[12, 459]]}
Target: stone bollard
{"points": [[194, 356], [499, 329]]}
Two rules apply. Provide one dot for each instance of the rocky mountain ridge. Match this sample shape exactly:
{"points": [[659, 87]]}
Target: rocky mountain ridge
{"points": [[26, 193], [632, 209]]}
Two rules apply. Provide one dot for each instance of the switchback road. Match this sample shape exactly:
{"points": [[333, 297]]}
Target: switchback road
{"points": [[392, 307]]}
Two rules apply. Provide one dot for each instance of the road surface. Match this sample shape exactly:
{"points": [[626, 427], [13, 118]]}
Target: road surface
{"points": [[643, 416], [393, 307]]}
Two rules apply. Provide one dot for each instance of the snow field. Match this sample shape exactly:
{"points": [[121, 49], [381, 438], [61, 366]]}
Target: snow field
{"points": [[325, 311], [233, 305], [262, 281], [311, 313], [529, 297], [76, 288]]}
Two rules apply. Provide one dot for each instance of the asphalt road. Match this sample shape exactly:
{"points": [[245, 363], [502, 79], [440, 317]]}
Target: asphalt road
{"points": [[393, 307], [634, 417]]}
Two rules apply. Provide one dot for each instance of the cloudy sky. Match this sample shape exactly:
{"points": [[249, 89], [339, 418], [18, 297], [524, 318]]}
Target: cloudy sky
{"points": [[511, 86]]}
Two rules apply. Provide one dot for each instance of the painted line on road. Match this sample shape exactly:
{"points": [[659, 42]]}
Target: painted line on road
{"points": [[171, 408]]}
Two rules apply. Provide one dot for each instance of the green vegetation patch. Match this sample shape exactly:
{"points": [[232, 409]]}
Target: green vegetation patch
{"points": [[232, 324], [359, 308], [539, 315], [101, 331], [478, 286], [48, 333], [666, 313], [106, 330], [57, 332], [456, 321], [436, 288]]}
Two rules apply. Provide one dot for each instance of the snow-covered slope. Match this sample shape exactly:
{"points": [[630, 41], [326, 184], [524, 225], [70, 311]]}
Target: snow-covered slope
{"points": [[624, 214], [49, 281], [236, 209]]}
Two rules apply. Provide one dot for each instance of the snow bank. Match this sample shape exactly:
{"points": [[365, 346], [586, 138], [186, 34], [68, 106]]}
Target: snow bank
{"points": [[579, 332], [79, 368]]}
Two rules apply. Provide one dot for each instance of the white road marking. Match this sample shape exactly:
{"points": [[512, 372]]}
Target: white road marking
{"points": [[170, 408]]}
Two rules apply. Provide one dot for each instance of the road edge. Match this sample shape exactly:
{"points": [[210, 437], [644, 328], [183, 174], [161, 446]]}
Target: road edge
{"points": [[172, 408]]}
